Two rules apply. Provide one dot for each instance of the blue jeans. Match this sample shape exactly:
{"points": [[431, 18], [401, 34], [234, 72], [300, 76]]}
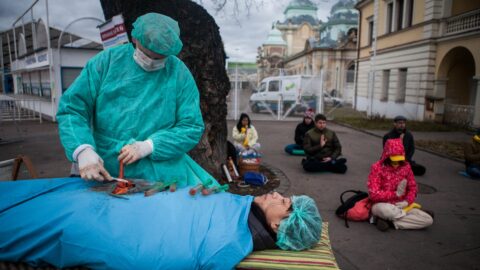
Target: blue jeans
{"points": [[474, 171]]}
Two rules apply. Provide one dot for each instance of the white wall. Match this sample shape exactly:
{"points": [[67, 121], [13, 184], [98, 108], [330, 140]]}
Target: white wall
{"points": [[76, 57]]}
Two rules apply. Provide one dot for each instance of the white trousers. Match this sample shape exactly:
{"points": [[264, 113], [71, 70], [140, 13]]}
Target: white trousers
{"points": [[413, 219]]}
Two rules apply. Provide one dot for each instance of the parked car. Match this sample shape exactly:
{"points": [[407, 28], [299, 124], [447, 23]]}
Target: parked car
{"points": [[335, 101]]}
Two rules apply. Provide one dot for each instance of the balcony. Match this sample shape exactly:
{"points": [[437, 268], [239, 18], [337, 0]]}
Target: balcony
{"points": [[463, 23]]}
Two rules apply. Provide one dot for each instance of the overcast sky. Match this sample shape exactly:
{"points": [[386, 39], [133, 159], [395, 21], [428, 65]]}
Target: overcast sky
{"points": [[241, 34]]}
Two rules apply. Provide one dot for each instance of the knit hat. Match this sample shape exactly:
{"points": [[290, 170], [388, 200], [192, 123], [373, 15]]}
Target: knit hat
{"points": [[309, 113]]}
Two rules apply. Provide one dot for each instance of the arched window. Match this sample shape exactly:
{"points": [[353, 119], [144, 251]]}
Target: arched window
{"points": [[22, 45], [41, 35]]}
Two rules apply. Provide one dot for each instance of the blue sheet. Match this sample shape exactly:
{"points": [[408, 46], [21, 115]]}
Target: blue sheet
{"points": [[63, 223]]}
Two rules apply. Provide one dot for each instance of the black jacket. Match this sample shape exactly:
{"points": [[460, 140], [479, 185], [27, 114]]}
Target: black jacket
{"points": [[300, 131], [263, 236], [408, 142]]}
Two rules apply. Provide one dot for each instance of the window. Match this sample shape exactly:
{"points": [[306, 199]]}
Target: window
{"points": [[401, 85], [370, 31], [68, 76], [263, 87], [273, 86], [409, 13], [389, 26], [351, 74], [399, 14], [385, 85]]}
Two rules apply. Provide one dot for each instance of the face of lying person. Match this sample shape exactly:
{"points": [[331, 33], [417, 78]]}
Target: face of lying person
{"points": [[275, 207]]}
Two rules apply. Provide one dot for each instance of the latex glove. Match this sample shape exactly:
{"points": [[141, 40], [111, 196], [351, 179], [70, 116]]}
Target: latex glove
{"points": [[133, 152], [91, 167], [401, 204], [401, 188]]}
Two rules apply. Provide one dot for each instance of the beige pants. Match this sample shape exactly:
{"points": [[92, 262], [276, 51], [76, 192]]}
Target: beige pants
{"points": [[413, 219]]}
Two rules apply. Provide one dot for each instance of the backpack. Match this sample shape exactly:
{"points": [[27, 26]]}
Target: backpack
{"points": [[356, 207], [255, 178]]}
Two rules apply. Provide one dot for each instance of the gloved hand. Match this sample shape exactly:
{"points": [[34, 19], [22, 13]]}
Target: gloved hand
{"points": [[133, 152], [401, 204], [401, 188], [91, 167]]}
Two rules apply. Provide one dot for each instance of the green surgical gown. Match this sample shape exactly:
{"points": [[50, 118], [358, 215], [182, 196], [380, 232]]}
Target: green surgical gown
{"points": [[115, 102]]}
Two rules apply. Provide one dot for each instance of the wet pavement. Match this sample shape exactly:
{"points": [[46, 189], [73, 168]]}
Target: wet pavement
{"points": [[453, 242]]}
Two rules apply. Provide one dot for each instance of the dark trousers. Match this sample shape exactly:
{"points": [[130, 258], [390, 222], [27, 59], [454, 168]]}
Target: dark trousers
{"points": [[417, 169], [473, 171], [315, 165]]}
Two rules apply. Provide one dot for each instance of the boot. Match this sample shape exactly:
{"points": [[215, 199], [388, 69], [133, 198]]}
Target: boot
{"points": [[382, 224]]}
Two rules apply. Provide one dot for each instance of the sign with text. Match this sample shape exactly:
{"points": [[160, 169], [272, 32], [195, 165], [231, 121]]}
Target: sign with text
{"points": [[113, 32], [36, 60]]}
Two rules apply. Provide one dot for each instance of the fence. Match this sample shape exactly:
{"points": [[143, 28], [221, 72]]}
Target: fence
{"points": [[287, 97], [20, 109]]}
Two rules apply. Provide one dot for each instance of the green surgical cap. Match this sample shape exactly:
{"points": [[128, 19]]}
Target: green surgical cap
{"points": [[303, 227], [158, 33]]}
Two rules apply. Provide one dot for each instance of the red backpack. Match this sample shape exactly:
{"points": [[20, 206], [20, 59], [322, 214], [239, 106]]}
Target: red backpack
{"points": [[356, 208]]}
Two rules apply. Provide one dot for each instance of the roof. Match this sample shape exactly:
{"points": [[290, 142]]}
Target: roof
{"points": [[69, 40], [275, 38]]}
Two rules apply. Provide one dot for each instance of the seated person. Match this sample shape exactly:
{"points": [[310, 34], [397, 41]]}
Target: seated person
{"points": [[400, 131], [245, 136], [392, 189], [64, 223], [472, 156], [302, 128], [323, 149]]}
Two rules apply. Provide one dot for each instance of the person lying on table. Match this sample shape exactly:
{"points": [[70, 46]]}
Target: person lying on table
{"points": [[64, 223]]}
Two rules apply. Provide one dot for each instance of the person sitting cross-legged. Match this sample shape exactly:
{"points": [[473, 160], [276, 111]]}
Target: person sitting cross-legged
{"points": [[323, 149], [400, 131], [472, 156], [393, 190], [302, 128]]}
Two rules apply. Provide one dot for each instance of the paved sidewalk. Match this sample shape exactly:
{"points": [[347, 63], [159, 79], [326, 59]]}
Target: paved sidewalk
{"points": [[453, 242]]}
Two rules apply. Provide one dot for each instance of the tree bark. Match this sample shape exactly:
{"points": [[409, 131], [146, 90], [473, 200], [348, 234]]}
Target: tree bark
{"points": [[204, 55]]}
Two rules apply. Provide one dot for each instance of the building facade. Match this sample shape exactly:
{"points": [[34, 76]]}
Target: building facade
{"points": [[37, 69], [421, 59], [332, 55]]}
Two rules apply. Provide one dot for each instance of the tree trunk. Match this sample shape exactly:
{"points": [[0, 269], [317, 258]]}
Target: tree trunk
{"points": [[204, 55]]}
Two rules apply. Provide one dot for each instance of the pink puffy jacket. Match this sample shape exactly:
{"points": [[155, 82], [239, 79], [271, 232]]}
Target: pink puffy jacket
{"points": [[384, 179]]}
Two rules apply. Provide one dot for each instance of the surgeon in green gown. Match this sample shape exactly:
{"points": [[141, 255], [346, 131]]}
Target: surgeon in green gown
{"points": [[137, 103]]}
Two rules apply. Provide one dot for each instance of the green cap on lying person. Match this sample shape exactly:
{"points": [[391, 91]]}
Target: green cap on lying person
{"points": [[158, 33], [295, 220], [303, 227]]}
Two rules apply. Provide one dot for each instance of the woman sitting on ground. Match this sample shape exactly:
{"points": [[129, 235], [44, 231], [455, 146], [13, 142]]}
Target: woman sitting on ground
{"points": [[392, 189], [245, 136], [302, 128]]}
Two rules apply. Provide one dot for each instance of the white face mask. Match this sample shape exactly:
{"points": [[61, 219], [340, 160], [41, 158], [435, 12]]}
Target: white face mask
{"points": [[147, 63]]}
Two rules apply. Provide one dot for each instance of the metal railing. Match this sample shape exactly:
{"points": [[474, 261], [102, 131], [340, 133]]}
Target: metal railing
{"points": [[459, 114], [463, 23], [12, 109]]}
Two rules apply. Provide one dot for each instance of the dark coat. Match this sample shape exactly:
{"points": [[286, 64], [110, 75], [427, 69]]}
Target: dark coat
{"points": [[300, 132], [313, 149], [408, 142]]}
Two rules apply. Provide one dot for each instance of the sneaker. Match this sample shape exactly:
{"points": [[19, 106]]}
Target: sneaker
{"points": [[382, 224]]}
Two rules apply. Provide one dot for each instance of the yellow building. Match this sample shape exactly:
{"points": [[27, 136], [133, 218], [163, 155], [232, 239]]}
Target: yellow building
{"points": [[419, 58]]}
